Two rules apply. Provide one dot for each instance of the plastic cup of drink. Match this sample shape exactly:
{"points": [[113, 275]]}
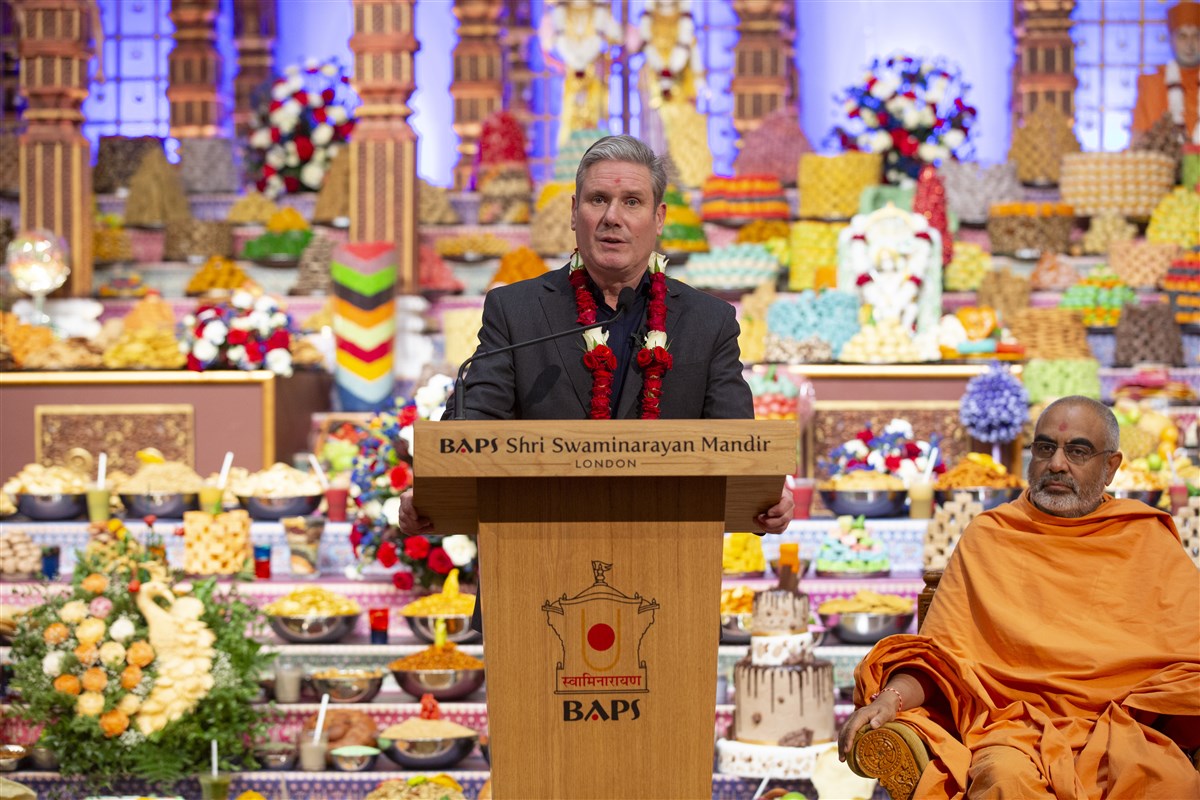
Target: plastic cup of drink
{"points": [[1178, 493], [802, 495], [214, 787], [97, 504], [312, 754], [211, 499], [920, 499], [287, 683], [336, 498]]}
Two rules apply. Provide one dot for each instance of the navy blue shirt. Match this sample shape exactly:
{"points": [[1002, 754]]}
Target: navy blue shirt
{"points": [[626, 334]]}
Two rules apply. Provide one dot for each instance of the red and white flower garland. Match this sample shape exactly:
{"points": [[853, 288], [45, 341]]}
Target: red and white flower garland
{"points": [[653, 358]]}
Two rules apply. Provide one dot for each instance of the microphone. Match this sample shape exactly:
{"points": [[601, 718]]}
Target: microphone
{"points": [[624, 300]]}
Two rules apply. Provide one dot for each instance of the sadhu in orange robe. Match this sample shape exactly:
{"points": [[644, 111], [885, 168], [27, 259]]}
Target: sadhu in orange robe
{"points": [[1074, 642]]}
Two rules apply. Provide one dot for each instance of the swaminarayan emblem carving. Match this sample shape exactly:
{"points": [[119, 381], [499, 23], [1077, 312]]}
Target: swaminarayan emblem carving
{"points": [[600, 631]]}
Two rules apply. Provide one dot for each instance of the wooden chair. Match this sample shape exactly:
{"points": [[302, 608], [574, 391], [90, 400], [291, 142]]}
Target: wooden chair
{"points": [[894, 754]]}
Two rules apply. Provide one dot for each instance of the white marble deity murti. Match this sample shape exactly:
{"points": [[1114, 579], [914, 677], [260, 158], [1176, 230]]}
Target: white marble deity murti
{"points": [[893, 260]]}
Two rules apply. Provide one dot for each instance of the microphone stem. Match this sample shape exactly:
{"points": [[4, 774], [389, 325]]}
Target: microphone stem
{"points": [[460, 406]]}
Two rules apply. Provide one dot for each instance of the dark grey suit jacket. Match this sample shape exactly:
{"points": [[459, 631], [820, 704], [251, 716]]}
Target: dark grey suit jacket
{"points": [[549, 381]]}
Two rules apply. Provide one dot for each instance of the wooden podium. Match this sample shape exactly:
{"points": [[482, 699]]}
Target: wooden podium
{"points": [[600, 560]]}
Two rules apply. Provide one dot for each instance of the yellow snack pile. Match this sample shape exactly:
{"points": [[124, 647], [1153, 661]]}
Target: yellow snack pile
{"points": [[312, 601], [217, 273], [449, 602], [286, 219], [867, 602], [742, 553]]}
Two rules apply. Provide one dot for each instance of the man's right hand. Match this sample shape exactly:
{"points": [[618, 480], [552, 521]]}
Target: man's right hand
{"points": [[410, 521], [876, 714]]}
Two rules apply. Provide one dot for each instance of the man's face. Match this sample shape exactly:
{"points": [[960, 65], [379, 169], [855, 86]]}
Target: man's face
{"points": [[615, 220], [1185, 44], [1057, 484]]}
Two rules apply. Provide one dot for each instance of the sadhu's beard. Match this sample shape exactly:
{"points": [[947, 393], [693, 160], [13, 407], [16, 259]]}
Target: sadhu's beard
{"points": [[1083, 500]]}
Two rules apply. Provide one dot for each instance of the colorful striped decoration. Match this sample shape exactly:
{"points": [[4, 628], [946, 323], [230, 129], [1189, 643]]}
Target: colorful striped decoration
{"points": [[364, 324]]}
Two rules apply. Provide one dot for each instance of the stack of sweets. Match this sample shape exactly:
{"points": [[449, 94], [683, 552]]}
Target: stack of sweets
{"points": [[566, 163], [502, 172], [1050, 333], [517, 265], [831, 317], [1017, 228], [433, 205], [1148, 334], [1038, 147], [313, 274], [155, 194], [435, 275], [1005, 292], [814, 255], [733, 267], [967, 269], [1142, 263], [550, 232], [971, 188], [1053, 273], [830, 186], [945, 529], [215, 545], [1050, 379], [1104, 230], [1176, 219], [747, 197], [1182, 284], [683, 232], [1129, 183], [1099, 298], [333, 200], [774, 147], [1188, 523], [752, 338]]}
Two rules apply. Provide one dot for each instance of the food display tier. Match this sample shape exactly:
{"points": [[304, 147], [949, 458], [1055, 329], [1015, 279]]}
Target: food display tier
{"points": [[356, 785], [902, 538]]}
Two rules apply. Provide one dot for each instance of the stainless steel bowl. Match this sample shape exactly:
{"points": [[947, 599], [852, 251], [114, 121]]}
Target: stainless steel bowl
{"points": [[458, 627], [871, 503], [443, 684], [348, 685], [276, 755], [11, 756], [866, 628], [426, 754], [735, 628], [43, 758], [344, 759], [987, 496], [275, 508], [1148, 496], [169, 505], [313, 630], [49, 507]]}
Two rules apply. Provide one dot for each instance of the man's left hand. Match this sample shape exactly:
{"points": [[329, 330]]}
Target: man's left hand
{"points": [[776, 518]]}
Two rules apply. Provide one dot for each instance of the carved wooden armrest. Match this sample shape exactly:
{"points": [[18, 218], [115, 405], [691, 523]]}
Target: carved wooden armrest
{"points": [[932, 578], [894, 754]]}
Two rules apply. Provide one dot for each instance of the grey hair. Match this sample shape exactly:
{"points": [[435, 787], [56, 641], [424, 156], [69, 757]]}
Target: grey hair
{"points": [[627, 149], [1112, 429]]}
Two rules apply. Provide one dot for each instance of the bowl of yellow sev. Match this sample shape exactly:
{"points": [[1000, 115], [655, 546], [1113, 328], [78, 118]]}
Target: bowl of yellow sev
{"points": [[448, 611]]}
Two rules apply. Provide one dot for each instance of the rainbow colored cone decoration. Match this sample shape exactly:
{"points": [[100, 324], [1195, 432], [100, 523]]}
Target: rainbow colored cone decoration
{"points": [[364, 324]]}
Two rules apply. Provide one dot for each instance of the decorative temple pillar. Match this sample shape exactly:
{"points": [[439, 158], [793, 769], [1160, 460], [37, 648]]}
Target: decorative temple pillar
{"points": [[10, 117], [254, 30], [764, 71], [478, 87], [518, 74], [55, 173], [194, 70], [1044, 69], [383, 149]]}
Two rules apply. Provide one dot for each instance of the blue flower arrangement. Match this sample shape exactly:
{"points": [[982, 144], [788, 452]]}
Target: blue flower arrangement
{"points": [[995, 406]]}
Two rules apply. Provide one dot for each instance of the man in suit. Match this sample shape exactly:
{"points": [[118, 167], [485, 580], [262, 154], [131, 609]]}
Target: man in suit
{"points": [[617, 214]]}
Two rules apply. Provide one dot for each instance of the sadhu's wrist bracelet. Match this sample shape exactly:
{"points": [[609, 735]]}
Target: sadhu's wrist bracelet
{"points": [[896, 692]]}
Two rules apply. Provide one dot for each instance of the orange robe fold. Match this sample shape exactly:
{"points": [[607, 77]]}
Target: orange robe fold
{"points": [[1151, 101], [1075, 641]]}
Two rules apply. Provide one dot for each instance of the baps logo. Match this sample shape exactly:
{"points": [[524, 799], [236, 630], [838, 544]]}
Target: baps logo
{"points": [[599, 712], [479, 445]]}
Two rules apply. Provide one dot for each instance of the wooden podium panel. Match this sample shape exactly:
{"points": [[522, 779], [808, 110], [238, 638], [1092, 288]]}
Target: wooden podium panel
{"points": [[601, 635], [600, 573]]}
